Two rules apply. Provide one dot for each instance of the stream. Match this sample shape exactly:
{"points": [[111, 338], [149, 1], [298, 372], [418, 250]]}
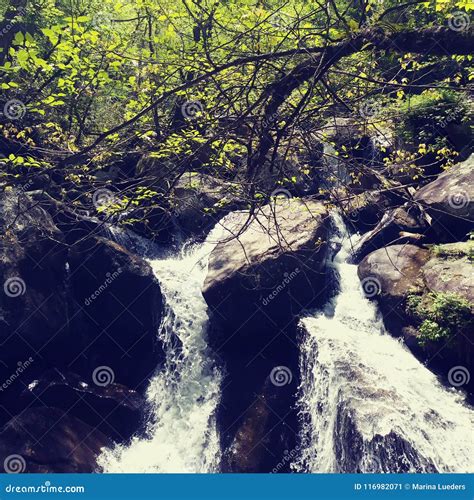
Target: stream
{"points": [[366, 403]]}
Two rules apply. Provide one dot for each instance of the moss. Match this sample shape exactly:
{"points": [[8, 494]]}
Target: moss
{"points": [[440, 315], [430, 330], [424, 116], [455, 250]]}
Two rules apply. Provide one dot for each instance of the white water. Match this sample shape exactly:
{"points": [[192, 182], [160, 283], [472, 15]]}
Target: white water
{"points": [[352, 372], [351, 368], [182, 436]]}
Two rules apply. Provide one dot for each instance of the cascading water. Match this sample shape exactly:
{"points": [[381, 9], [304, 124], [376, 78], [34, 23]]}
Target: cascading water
{"points": [[182, 434], [366, 402]]}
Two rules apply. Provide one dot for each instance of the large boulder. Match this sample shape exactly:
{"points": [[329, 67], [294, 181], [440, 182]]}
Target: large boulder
{"points": [[34, 306], [450, 269], [450, 201], [113, 409], [118, 311], [272, 268], [389, 274], [158, 170], [259, 280], [364, 211], [263, 426], [48, 440], [400, 270], [423, 293]]}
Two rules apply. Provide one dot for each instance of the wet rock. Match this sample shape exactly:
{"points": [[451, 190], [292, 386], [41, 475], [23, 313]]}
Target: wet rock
{"points": [[450, 201], [364, 211], [118, 312], [256, 286], [113, 409], [393, 273], [390, 453], [149, 166], [264, 426], [47, 440], [73, 222], [450, 270]]}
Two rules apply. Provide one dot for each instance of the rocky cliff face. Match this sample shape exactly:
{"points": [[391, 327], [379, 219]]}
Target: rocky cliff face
{"points": [[83, 309], [425, 292]]}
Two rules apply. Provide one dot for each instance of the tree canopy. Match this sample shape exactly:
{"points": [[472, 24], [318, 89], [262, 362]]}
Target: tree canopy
{"points": [[236, 88]]}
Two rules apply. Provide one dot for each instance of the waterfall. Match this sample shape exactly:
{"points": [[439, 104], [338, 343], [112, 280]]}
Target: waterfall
{"points": [[366, 403], [181, 435]]}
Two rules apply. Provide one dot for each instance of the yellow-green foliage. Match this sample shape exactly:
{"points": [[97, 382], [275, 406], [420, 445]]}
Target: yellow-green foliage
{"points": [[441, 315]]}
